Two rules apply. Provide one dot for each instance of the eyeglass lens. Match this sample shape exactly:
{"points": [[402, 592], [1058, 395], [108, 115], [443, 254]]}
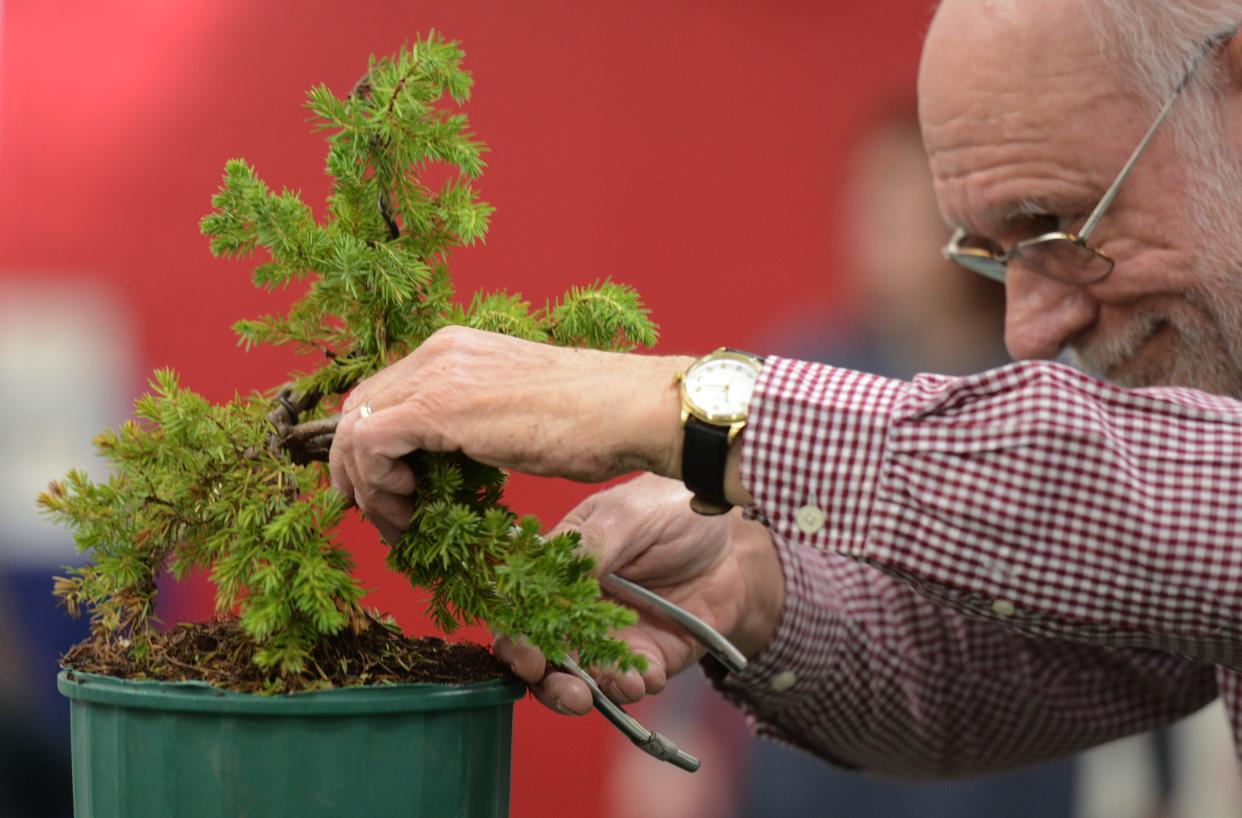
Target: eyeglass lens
{"points": [[981, 264], [1063, 259], [1058, 257]]}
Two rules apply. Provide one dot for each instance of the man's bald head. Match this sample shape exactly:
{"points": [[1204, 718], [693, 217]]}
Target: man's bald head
{"points": [[1138, 47], [985, 60], [1148, 42]]}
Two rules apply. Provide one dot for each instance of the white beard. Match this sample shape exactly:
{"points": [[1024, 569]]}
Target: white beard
{"points": [[1207, 325]]}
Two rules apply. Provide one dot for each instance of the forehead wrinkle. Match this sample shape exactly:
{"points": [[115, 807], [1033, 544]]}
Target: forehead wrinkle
{"points": [[986, 183], [976, 136], [978, 141], [982, 116], [993, 200]]}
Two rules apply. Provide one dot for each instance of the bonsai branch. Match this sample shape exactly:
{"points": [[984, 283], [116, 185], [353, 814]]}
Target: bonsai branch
{"points": [[362, 90], [311, 440], [306, 441], [289, 407]]}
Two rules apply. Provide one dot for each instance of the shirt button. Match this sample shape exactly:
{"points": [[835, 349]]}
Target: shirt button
{"points": [[783, 681], [810, 519], [1003, 608]]}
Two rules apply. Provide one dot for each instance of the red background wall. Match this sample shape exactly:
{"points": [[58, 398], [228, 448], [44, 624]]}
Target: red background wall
{"points": [[689, 148]]}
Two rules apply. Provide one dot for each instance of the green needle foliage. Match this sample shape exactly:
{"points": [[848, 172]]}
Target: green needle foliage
{"points": [[240, 489]]}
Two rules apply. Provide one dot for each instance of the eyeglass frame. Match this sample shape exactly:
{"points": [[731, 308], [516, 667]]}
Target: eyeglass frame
{"points": [[962, 256]]}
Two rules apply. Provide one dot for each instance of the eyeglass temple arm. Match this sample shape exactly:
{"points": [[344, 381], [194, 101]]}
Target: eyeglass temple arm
{"points": [[1111, 193]]}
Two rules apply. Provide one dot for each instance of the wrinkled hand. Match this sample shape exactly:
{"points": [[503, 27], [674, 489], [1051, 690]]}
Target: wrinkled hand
{"points": [[722, 569], [545, 410]]}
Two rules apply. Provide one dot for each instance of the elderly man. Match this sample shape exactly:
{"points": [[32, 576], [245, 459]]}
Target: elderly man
{"points": [[950, 574]]}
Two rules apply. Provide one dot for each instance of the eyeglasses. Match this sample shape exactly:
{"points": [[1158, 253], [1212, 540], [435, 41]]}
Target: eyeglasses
{"points": [[1064, 256]]}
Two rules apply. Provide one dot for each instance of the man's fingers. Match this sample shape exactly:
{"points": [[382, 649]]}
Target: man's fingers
{"points": [[366, 392], [390, 513], [560, 691], [379, 441], [382, 436], [361, 459], [393, 477], [564, 693], [355, 399], [633, 685], [338, 458], [523, 658], [380, 482], [655, 677], [531, 667], [624, 688]]}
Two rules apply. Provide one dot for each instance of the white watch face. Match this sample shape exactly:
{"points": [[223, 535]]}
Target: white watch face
{"points": [[721, 387]]}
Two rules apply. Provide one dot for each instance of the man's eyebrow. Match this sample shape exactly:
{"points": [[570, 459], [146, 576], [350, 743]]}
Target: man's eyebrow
{"points": [[1025, 209], [1006, 215]]}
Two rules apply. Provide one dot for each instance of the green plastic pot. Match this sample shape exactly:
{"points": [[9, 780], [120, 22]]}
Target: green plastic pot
{"points": [[161, 749]]}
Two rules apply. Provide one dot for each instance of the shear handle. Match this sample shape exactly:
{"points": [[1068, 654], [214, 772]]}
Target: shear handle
{"points": [[649, 741]]}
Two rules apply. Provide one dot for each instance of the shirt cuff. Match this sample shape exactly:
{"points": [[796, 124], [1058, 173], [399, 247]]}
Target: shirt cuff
{"points": [[813, 451], [777, 684]]}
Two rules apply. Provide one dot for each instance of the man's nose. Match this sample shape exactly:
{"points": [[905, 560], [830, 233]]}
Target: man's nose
{"points": [[1042, 315]]}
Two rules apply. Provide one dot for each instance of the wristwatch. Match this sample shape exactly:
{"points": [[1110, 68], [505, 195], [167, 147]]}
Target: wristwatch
{"points": [[715, 402]]}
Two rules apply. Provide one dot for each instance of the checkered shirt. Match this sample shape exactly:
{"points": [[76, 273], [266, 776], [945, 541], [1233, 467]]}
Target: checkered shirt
{"points": [[988, 571]]}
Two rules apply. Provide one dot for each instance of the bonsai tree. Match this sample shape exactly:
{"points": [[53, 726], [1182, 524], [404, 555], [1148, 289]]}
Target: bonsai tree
{"points": [[240, 489]]}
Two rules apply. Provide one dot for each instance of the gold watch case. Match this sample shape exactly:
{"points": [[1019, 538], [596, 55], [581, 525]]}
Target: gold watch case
{"points": [[709, 401]]}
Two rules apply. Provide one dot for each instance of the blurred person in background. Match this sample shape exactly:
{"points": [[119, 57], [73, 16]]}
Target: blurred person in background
{"points": [[902, 289], [898, 287]]}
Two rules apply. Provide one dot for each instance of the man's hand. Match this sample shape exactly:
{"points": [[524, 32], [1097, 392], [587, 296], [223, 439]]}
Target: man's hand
{"points": [[545, 410], [722, 569]]}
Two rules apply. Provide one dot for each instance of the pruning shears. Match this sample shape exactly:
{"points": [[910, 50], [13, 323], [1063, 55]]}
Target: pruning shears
{"points": [[649, 741]]}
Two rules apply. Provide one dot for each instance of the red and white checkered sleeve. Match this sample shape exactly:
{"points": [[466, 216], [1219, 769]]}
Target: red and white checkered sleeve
{"points": [[1030, 494], [867, 673], [1031, 501]]}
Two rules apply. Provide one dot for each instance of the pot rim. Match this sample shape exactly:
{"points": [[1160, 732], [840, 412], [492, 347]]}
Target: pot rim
{"points": [[200, 697]]}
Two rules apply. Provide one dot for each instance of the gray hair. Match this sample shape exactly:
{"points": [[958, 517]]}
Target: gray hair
{"points": [[1152, 44]]}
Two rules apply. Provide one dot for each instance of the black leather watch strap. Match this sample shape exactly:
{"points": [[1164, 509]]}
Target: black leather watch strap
{"points": [[703, 465]]}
